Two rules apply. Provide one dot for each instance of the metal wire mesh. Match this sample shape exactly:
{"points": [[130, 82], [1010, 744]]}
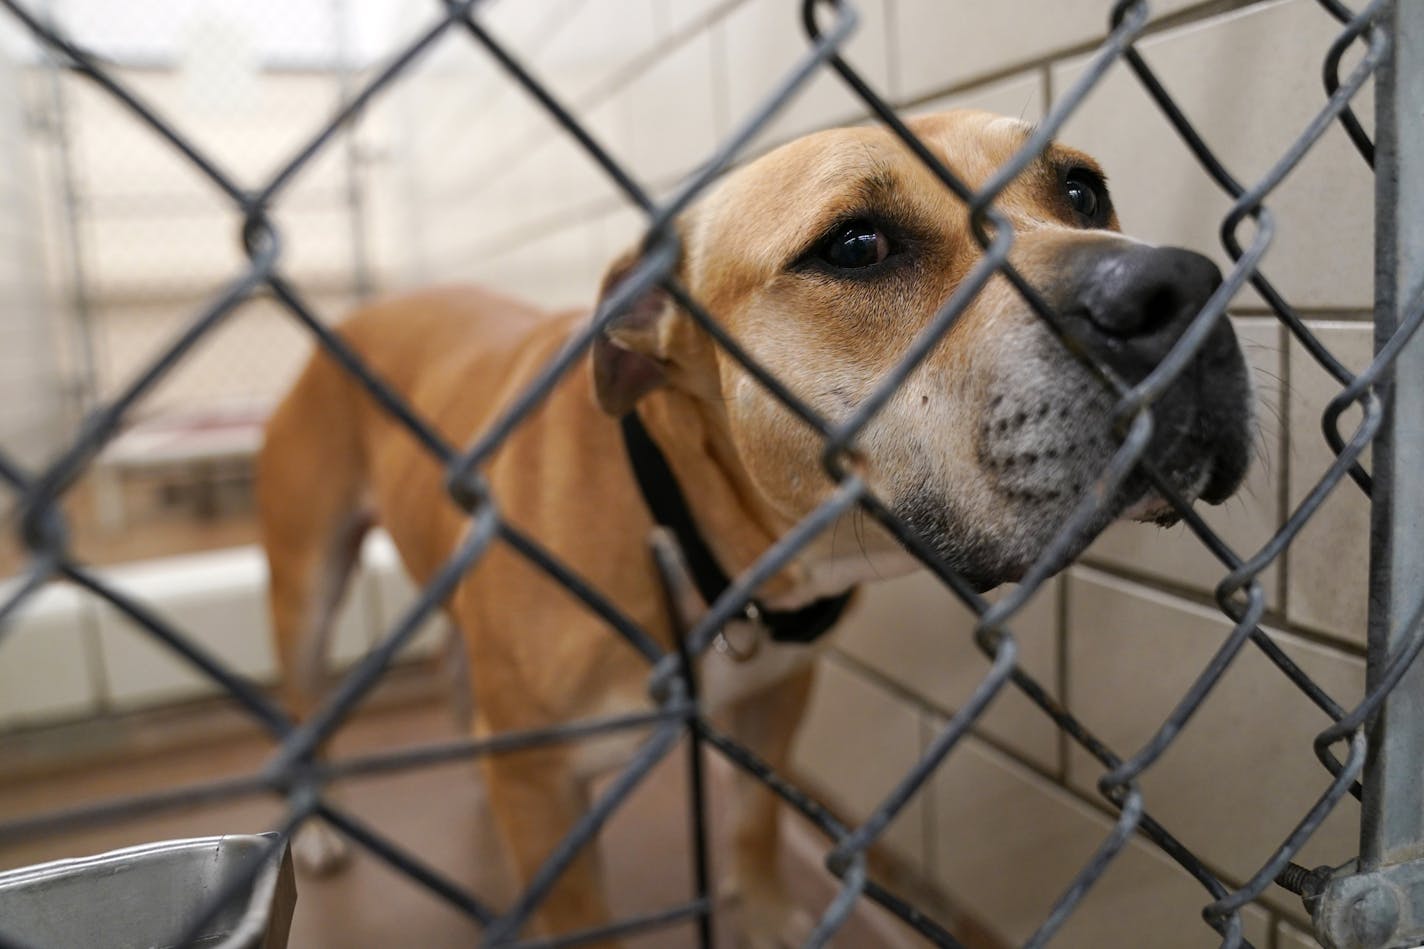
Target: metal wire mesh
{"points": [[297, 776]]}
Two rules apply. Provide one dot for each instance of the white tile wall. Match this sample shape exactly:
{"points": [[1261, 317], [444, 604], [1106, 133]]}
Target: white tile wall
{"points": [[917, 633], [672, 116], [1328, 565], [684, 14], [597, 40], [248, 356], [213, 598], [31, 420], [556, 270], [1008, 844], [1240, 774], [526, 27], [615, 232], [1020, 96], [942, 43], [132, 256], [1241, 78], [46, 672], [1288, 937], [68, 654], [763, 39]]}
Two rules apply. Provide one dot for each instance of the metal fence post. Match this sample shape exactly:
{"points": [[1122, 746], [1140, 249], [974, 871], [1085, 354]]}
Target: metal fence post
{"points": [[1381, 904], [353, 153], [82, 391]]}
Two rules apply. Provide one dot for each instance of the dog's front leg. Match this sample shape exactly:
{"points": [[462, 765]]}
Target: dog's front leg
{"points": [[536, 798], [765, 722]]}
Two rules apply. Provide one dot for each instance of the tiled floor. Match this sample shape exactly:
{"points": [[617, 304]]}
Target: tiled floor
{"points": [[438, 813]]}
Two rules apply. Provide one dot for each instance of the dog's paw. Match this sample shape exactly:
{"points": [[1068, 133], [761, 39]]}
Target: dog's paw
{"points": [[318, 849]]}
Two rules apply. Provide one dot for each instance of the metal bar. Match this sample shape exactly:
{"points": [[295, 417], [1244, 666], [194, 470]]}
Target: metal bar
{"points": [[103, 425], [682, 605], [697, 806], [393, 761], [130, 807], [81, 305], [1379, 902], [1392, 812], [353, 158], [351, 106], [256, 702]]}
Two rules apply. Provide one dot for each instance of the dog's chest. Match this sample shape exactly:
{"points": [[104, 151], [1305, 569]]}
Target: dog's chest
{"points": [[750, 663]]}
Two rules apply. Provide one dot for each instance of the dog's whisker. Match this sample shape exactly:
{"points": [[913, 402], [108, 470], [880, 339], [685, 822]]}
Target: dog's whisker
{"points": [[1281, 383], [858, 520], [1273, 413], [1268, 374]]}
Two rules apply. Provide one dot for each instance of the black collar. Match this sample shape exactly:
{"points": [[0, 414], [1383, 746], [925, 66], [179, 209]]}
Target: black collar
{"points": [[669, 508]]}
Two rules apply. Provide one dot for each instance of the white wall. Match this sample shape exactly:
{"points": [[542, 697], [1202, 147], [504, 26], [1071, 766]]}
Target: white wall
{"points": [[30, 397]]}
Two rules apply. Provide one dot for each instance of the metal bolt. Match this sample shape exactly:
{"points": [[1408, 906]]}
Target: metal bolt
{"points": [[1359, 912], [1373, 915]]}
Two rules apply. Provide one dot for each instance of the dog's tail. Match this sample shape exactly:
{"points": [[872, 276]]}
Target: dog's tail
{"points": [[313, 512]]}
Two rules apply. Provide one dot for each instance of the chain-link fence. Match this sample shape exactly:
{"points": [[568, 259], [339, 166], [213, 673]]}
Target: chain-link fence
{"points": [[142, 235], [1370, 750]]}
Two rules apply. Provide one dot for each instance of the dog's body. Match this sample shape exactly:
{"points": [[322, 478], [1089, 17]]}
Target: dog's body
{"points": [[458, 355], [973, 451]]}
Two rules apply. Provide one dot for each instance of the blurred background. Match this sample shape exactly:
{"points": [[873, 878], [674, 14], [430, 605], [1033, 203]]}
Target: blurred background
{"points": [[110, 244]]}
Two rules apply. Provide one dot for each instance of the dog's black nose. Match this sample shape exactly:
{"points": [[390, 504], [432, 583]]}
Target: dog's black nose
{"points": [[1136, 290], [1131, 302]]}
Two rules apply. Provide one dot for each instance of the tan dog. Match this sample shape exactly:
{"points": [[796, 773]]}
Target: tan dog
{"points": [[824, 259]]}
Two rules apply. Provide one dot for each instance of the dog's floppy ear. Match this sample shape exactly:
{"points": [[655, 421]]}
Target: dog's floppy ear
{"points": [[630, 355]]}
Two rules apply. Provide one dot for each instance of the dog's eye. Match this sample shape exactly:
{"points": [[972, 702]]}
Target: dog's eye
{"points": [[1085, 193], [855, 245]]}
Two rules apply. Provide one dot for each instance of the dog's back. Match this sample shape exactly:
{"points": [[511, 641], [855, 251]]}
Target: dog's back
{"points": [[332, 465]]}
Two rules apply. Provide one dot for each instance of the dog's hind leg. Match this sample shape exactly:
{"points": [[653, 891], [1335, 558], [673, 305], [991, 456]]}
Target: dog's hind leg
{"points": [[312, 514]]}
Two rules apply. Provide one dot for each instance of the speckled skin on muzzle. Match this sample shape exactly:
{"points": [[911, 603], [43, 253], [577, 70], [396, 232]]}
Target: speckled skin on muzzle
{"points": [[1045, 433]]}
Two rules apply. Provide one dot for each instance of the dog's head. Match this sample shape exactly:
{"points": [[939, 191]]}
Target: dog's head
{"points": [[825, 259]]}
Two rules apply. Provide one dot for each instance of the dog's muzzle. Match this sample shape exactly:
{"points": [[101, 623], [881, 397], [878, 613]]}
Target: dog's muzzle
{"points": [[1045, 431], [1130, 306]]}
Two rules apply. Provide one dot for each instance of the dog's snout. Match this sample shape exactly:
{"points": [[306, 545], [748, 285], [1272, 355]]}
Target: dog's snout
{"points": [[1138, 290]]}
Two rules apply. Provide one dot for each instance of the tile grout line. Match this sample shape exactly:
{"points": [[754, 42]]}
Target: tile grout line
{"points": [[1273, 619], [1283, 447]]}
